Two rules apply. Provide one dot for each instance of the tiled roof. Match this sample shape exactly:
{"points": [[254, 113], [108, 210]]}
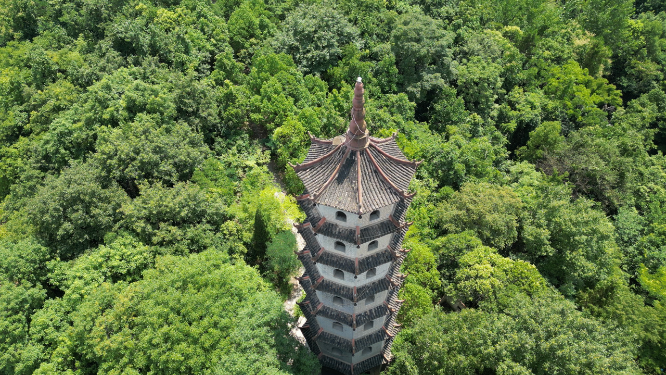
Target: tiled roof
{"points": [[372, 314], [357, 181], [394, 271], [352, 294], [355, 172], [370, 339], [329, 258], [309, 236], [310, 268], [352, 319], [369, 363], [337, 341], [351, 369], [310, 295], [396, 240], [392, 303], [308, 206], [373, 288], [324, 256], [310, 316], [312, 280], [386, 350], [336, 315], [308, 306], [354, 345], [356, 266], [308, 334], [400, 210], [335, 364]]}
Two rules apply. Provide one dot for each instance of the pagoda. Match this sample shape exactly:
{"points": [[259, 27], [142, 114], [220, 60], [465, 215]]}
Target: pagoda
{"points": [[355, 200]]}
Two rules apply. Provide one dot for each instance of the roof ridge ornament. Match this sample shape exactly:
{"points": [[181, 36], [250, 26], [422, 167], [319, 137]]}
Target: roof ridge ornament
{"points": [[358, 134]]}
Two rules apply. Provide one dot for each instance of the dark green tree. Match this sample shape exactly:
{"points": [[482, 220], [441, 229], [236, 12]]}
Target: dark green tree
{"points": [[281, 262], [541, 335], [423, 54], [74, 211], [145, 151], [314, 36], [188, 315]]}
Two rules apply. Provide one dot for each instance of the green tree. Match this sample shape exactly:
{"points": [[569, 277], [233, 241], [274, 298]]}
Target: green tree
{"points": [[280, 90], [72, 212], [571, 243], [24, 260], [480, 83], [249, 25], [490, 211], [462, 159], [447, 109], [281, 262], [540, 335], [260, 237], [181, 218], [613, 302], [187, 315], [580, 96], [607, 19], [18, 301], [144, 151], [655, 284], [291, 140], [422, 49], [486, 278], [314, 36], [602, 163], [545, 139], [122, 258], [452, 247], [422, 286]]}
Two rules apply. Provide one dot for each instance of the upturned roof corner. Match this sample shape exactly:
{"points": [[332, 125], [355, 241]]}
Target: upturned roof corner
{"points": [[361, 173]]}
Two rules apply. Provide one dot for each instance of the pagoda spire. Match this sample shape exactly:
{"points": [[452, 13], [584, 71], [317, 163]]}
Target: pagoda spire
{"points": [[357, 134]]}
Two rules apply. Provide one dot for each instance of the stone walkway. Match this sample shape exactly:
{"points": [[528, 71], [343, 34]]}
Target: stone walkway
{"points": [[296, 290]]}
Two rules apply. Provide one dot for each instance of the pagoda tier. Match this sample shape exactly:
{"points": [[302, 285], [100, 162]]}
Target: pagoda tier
{"points": [[355, 203], [355, 234], [357, 181]]}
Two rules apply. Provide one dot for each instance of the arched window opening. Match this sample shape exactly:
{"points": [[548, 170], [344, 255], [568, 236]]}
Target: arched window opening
{"points": [[374, 215], [337, 326], [339, 274], [370, 300], [367, 350], [373, 245], [371, 273], [336, 351], [369, 325], [341, 216], [339, 246], [338, 301]]}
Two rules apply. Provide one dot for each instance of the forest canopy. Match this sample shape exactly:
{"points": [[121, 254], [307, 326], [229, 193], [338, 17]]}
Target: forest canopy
{"points": [[147, 197]]}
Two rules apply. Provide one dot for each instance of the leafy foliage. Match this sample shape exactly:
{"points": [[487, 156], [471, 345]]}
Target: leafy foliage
{"points": [[491, 211], [145, 146], [533, 336], [74, 211], [314, 36], [185, 315]]}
